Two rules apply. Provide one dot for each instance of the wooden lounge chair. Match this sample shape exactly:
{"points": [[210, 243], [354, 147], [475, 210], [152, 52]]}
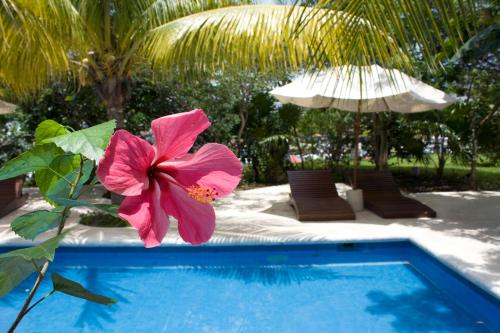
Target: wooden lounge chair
{"points": [[382, 196], [11, 195], [314, 197]]}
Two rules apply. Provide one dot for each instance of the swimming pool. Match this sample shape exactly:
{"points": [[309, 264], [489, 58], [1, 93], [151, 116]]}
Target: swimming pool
{"points": [[336, 287]]}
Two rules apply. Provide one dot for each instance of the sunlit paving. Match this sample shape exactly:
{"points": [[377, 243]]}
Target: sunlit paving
{"points": [[249, 166]]}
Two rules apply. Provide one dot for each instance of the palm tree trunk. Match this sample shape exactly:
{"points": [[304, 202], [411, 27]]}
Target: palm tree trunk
{"points": [[116, 112], [113, 92]]}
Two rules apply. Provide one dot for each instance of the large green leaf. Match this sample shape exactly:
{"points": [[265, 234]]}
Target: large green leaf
{"points": [[14, 270], [49, 129], [484, 42], [37, 158], [106, 208], [109, 209], [32, 224], [61, 188], [90, 142], [45, 250], [75, 289], [60, 166]]}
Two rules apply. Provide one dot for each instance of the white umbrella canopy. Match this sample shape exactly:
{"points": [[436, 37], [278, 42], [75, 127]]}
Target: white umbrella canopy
{"points": [[367, 89], [362, 89], [6, 108]]}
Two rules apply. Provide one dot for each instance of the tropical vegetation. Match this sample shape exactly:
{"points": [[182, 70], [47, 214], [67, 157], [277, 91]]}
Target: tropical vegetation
{"points": [[82, 62], [104, 44]]}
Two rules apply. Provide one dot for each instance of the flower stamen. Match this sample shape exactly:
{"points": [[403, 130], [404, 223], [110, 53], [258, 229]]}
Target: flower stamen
{"points": [[202, 194]]}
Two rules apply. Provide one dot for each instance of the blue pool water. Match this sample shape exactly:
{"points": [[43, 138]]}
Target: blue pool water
{"points": [[356, 287]]}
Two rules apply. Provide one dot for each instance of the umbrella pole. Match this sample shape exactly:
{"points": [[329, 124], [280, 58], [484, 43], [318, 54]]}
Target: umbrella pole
{"points": [[357, 127]]}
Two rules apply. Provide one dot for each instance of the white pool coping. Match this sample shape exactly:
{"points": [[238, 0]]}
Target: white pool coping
{"points": [[465, 235]]}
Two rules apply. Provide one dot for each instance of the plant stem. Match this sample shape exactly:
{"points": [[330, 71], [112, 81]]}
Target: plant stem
{"points": [[25, 309], [40, 301], [41, 273]]}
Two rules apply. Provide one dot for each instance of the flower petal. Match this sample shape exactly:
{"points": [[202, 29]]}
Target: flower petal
{"points": [[196, 220], [124, 167], [213, 166], [144, 213], [176, 134]]}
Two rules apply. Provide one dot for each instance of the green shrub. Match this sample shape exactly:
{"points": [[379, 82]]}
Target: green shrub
{"points": [[98, 219]]}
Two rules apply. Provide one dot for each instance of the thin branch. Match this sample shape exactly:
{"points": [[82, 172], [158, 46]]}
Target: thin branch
{"points": [[41, 274], [488, 116], [40, 300]]}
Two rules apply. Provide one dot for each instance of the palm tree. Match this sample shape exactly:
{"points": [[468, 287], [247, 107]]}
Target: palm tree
{"points": [[103, 43]]}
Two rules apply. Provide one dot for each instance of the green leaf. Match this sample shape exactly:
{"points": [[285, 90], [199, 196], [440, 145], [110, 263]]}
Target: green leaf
{"points": [[69, 98], [61, 188], [75, 289], [90, 142], [70, 202], [13, 271], [49, 129], [45, 250], [106, 208], [109, 209], [479, 45], [35, 159], [60, 166], [32, 224]]}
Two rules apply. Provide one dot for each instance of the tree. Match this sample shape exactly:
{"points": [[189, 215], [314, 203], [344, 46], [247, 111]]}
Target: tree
{"points": [[328, 132], [266, 140], [382, 125], [438, 134], [291, 115], [14, 138], [104, 43], [475, 70], [217, 96], [239, 88], [78, 107], [477, 117]]}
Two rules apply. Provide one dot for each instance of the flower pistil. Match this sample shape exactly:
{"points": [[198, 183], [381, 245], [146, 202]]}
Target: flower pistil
{"points": [[202, 194]]}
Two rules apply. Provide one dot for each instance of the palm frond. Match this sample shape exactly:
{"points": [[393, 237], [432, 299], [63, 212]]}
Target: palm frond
{"points": [[44, 40], [264, 37], [41, 40], [34, 35], [420, 29]]}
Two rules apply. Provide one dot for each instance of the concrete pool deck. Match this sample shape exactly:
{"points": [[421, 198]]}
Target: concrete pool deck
{"points": [[465, 235]]}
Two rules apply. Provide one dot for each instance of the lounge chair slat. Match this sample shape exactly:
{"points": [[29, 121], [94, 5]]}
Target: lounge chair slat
{"points": [[382, 196], [315, 198]]}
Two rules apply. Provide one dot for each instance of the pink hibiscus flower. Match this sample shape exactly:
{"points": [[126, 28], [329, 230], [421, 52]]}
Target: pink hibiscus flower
{"points": [[163, 179], [295, 159]]}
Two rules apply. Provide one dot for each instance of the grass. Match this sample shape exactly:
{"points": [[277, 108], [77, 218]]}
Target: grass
{"points": [[455, 178]]}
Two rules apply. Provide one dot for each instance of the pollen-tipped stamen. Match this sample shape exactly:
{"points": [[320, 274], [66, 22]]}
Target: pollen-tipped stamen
{"points": [[202, 194]]}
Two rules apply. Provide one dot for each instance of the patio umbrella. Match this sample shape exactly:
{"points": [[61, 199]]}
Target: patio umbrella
{"points": [[362, 89], [6, 107]]}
